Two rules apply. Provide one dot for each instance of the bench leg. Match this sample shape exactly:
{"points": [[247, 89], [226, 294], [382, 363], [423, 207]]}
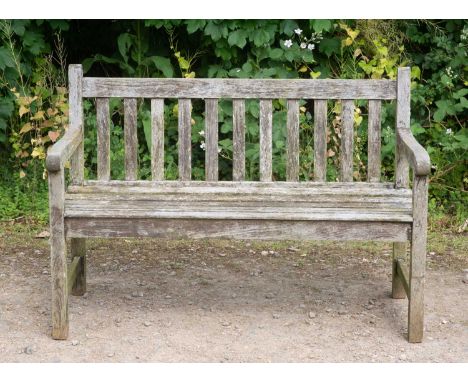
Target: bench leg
{"points": [[399, 252], [78, 249], [58, 257], [417, 261]]}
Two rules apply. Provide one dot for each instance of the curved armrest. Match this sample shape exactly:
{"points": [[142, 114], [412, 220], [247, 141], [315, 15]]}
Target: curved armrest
{"points": [[61, 151], [417, 155]]}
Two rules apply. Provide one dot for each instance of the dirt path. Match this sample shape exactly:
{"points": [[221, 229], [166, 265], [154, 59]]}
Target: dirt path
{"points": [[211, 301]]}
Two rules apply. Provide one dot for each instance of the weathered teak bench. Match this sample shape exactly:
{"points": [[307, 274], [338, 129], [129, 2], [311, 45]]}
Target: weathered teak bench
{"points": [[294, 210]]}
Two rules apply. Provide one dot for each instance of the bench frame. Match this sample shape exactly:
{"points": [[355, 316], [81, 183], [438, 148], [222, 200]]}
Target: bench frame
{"points": [[71, 278]]}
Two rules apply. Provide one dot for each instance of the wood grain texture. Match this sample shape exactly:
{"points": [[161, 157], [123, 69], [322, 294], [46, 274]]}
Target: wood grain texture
{"points": [[58, 256], [402, 123], [211, 137], [238, 88], [417, 267], [185, 139], [75, 99], [399, 254], [266, 140], [131, 139], [347, 140], [238, 139], [78, 250], [103, 138], [73, 270], [320, 140], [237, 229], [60, 152], [374, 141], [157, 139], [416, 156], [402, 271], [292, 141]]}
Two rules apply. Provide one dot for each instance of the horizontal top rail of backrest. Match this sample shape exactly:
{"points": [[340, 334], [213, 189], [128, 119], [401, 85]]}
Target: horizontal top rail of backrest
{"points": [[238, 88]]}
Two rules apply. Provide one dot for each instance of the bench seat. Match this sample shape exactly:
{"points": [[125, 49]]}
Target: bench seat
{"points": [[236, 210]]}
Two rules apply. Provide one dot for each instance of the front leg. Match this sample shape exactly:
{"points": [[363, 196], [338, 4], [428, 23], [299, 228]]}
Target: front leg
{"points": [[58, 256]]}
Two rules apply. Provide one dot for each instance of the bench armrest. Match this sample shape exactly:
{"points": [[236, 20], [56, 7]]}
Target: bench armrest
{"points": [[61, 151], [417, 155]]}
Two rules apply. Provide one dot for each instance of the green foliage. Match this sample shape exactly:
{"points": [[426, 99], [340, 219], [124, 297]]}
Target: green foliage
{"points": [[436, 52]]}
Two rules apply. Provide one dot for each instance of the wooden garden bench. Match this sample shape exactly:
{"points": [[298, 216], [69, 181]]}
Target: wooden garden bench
{"points": [[239, 209]]}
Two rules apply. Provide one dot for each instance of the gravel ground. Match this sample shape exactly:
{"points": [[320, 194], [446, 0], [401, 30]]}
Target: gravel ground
{"points": [[231, 301]]}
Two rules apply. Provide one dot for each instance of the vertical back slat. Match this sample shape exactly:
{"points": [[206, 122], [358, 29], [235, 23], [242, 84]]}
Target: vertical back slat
{"points": [[157, 139], [185, 140], [347, 135], [238, 139], [211, 136], [320, 140], [75, 78], [266, 127], [292, 144], [373, 141], [130, 137], [402, 123], [103, 138]]}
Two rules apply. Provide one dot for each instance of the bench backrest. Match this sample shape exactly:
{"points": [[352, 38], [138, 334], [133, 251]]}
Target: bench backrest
{"points": [[239, 90]]}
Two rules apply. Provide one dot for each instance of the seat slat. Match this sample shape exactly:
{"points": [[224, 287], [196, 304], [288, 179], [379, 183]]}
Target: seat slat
{"points": [[320, 140], [157, 139], [211, 136], [130, 138], [347, 135], [185, 139], [266, 127], [292, 144], [238, 139], [373, 141], [103, 138]]}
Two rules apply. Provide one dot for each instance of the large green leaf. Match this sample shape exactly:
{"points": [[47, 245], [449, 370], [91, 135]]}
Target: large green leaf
{"points": [[164, 65]]}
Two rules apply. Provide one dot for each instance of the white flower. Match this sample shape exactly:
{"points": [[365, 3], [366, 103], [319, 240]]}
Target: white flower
{"points": [[311, 46], [202, 133], [303, 45], [219, 149], [202, 146], [449, 131], [298, 31], [288, 43], [238, 70]]}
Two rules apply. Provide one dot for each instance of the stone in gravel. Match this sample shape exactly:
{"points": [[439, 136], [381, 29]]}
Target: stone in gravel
{"points": [[222, 255], [465, 279], [276, 316], [135, 251], [110, 354], [264, 253], [403, 357], [226, 323], [342, 312], [312, 314], [173, 273], [269, 296], [302, 306], [28, 350], [168, 297], [293, 249], [45, 272], [328, 310], [444, 321], [147, 323], [75, 342]]}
